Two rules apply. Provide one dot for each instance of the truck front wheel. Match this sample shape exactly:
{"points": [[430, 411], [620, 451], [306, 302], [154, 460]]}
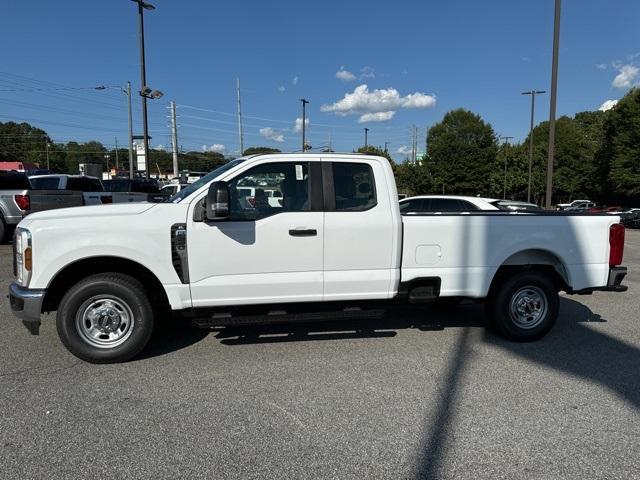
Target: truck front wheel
{"points": [[105, 318], [524, 307]]}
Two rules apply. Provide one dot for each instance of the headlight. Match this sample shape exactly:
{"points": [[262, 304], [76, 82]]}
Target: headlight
{"points": [[24, 256]]}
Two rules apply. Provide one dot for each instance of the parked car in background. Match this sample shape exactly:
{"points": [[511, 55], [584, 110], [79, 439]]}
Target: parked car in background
{"points": [[91, 187], [134, 190], [516, 206], [576, 204], [172, 188], [17, 200], [604, 209], [445, 204], [584, 206], [630, 217]]}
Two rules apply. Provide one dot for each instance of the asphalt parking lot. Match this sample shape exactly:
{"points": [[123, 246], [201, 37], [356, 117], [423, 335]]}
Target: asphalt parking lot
{"points": [[381, 399]]}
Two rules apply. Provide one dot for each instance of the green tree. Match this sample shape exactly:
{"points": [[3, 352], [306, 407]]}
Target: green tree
{"points": [[462, 149], [258, 150], [23, 142], [378, 151], [620, 152]]}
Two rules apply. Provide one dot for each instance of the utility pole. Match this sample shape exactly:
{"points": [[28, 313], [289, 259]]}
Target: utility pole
{"points": [[504, 190], [533, 94], [304, 121], [116, 139], [366, 137], [240, 136], [552, 107], [386, 146], [47, 148], [174, 139], [131, 166]]}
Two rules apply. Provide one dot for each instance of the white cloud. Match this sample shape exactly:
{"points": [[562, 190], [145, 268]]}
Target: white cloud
{"points": [[345, 75], [281, 88], [271, 134], [294, 80], [297, 127], [526, 59], [217, 147], [376, 117], [608, 105], [367, 72], [379, 101], [627, 76], [403, 150], [160, 147], [601, 66]]}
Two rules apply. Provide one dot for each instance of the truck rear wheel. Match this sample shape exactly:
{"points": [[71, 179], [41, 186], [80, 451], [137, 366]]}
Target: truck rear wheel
{"points": [[105, 318], [524, 307]]}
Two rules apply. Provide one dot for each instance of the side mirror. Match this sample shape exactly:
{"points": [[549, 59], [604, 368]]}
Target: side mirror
{"points": [[218, 201]]}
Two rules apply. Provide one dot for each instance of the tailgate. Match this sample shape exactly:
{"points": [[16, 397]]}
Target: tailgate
{"points": [[42, 200], [124, 197]]}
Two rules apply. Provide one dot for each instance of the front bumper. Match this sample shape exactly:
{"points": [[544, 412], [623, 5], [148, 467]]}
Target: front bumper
{"points": [[26, 304]]}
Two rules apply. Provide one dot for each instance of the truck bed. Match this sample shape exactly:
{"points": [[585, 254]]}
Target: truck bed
{"points": [[465, 250]]}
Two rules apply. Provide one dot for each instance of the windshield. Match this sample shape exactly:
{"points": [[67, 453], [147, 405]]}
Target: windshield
{"points": [[195, 186]]}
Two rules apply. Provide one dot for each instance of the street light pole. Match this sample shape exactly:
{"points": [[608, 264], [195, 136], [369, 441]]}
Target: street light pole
{"points": [[533, 94], [366, 137], [143, 80], [47, 145], [304, 121], [552, 107]]}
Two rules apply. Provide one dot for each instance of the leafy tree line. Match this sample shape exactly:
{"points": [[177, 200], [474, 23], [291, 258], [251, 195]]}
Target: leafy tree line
{"points": [[23, 142], [597, 156]]}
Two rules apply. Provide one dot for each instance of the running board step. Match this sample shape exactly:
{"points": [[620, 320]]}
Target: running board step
{"points": [[281, 316]]}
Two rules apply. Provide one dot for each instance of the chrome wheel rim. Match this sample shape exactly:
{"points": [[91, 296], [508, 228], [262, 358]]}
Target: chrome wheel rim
{"points": [[528, 307], [104, 321]]}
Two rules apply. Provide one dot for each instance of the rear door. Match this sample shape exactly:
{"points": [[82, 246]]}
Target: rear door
{"points": [[358, 230]]}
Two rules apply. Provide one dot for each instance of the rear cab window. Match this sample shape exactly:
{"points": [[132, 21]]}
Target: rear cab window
{"points": [[84, 184], [46, 183], [354, 187], [14, 181]]}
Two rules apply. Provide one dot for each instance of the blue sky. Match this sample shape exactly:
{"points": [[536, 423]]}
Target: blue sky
{"points": [[418, 59]]}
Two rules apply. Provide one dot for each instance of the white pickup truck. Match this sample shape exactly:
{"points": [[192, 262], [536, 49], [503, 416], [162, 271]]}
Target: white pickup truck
{"points": [[336, 243]]}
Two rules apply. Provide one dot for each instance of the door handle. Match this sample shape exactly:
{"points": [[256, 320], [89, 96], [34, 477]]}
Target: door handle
{"points": [[303, 232]]}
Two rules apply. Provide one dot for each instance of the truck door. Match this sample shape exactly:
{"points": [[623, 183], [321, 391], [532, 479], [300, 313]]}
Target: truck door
{"points": [[271, 248], [360, 233]]}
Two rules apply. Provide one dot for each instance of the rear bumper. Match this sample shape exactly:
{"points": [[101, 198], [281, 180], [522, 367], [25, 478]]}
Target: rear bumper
{"points": [[27, 305], [616, 275], [614, 283]]}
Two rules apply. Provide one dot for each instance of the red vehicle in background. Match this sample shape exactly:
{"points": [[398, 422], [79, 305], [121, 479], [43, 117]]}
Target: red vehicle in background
{"points": [[603, 209]]}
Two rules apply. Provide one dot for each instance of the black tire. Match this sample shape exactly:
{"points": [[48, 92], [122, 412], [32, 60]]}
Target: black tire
{"points": [[119, 306], [3, 229], [524, 307]]}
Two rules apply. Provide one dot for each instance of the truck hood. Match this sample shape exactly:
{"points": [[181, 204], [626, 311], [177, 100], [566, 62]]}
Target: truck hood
{"points": [[95, 211]]}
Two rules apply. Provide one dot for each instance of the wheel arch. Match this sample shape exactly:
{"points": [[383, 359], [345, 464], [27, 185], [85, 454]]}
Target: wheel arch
{"points": [[85, 267], [534, 259]]}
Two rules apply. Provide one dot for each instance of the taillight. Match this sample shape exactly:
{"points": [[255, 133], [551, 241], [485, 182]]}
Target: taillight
{"points": [[23, 202], [106, 199], [616, 244]]}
